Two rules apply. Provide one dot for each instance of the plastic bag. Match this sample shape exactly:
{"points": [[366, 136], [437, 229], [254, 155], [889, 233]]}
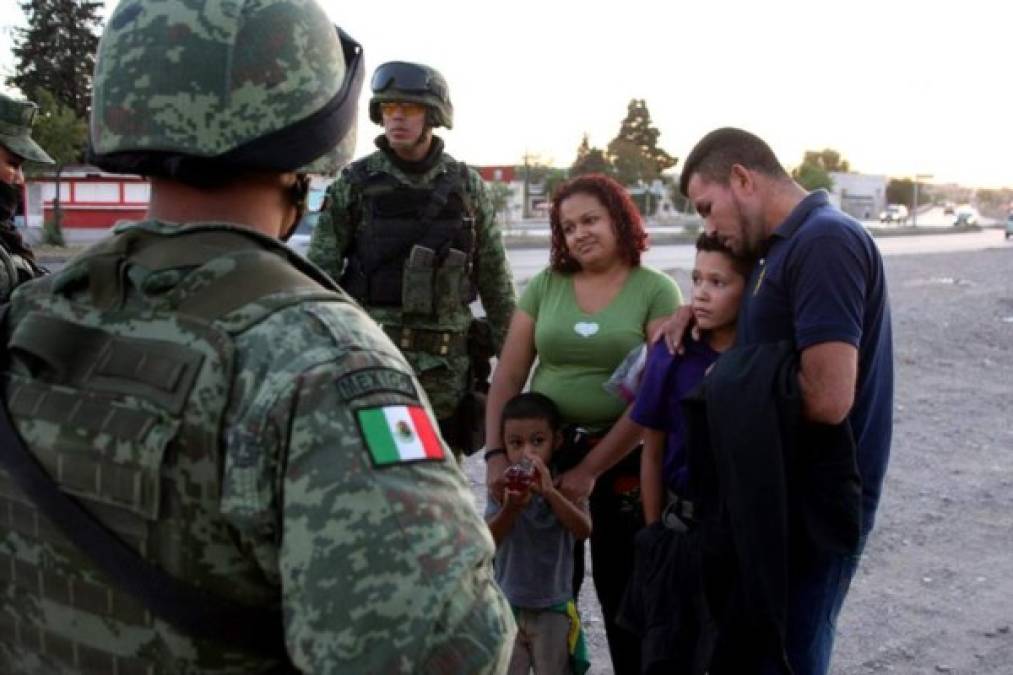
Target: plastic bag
{"points": [[625, 379]]}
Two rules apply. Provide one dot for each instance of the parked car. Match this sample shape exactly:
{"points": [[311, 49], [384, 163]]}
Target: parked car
{"points": [[895, 213], [300, 239], [966, 216], [1009, 226]]}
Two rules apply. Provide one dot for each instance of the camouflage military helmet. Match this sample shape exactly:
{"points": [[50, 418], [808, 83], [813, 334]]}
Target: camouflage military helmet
{"points": [[414, 83], [194, 91], [16, 120]]}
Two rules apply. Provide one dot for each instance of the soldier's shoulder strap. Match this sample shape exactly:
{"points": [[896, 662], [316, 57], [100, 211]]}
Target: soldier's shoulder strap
{"points": [[186, 607], [464, 171], [356, 173]]}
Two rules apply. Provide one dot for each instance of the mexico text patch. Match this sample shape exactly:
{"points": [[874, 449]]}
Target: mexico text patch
{"points": [[375, 380]]}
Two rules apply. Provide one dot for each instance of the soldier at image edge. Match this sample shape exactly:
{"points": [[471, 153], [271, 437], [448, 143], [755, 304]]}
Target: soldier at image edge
{"points": [[215, 461], [17, 262]]}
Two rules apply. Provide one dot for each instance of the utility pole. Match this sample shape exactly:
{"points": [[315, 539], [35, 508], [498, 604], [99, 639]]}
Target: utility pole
{"points": [[914, 207], [526, 203]]}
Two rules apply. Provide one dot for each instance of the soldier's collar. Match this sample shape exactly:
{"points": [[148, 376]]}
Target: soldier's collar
{"points": [[420, 167]]}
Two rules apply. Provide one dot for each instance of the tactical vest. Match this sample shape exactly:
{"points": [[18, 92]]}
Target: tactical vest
{"points": [[14, 271], [414, 247], [120, 370]]}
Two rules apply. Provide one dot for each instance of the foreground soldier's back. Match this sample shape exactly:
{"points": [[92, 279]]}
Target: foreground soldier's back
{"points": [[223, 409]]}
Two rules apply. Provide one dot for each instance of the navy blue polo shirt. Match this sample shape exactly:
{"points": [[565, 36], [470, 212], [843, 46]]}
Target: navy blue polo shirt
{"points": [[822, 280]]}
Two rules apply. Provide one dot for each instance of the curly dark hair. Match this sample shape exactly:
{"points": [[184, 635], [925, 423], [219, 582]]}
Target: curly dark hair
{"points": [[631, 237]]}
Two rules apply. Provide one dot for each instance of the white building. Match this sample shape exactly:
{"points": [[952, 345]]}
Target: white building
{"points": [[860, 195]]}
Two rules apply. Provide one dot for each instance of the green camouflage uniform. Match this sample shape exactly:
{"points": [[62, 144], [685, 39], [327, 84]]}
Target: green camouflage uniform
{"points": [[445, 378], [204, 394], [379, 569]]}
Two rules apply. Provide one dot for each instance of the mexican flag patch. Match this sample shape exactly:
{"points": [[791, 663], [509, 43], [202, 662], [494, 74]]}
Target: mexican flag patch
{"points": [[399, 433]]}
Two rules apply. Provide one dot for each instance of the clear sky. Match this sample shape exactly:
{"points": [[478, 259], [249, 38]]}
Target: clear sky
{"points": [[898, 87]]}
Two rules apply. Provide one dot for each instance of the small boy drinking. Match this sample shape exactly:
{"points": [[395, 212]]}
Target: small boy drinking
{"points": [[535, 529], [719, 278]]}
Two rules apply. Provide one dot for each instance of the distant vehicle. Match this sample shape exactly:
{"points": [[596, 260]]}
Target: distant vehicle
{"points": [[894, 213], [948, 209], [966, 216], [300, 239], [1009, 225]]}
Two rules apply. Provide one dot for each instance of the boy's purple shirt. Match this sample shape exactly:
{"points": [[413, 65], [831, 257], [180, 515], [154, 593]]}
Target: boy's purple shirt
{"points": [[667, 378]]}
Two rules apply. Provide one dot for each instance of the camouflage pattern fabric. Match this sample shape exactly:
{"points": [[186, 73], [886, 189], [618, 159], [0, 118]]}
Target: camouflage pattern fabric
{"points": [[445, 379], [274, 503], [17, 262], [205, 78], [16, 121]]}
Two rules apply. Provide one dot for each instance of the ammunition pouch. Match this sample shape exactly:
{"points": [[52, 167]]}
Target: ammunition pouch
{"points": [[435, 342], [417, 282]]}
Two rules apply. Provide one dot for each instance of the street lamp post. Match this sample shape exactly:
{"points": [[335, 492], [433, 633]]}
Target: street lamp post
{"points": [[914, 207]]}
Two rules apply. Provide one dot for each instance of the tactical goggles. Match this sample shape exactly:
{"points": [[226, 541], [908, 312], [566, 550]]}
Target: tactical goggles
{"points": [[407, 108], [406, 77]]}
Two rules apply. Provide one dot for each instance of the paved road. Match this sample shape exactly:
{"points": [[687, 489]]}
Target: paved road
{"points": [[526, 262]]}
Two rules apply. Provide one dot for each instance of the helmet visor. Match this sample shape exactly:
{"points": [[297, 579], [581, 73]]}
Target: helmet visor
{"points": [[402, 76]]}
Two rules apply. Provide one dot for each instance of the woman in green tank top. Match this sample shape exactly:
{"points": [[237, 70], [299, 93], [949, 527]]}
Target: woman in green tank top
{"points": [[580, 317]]}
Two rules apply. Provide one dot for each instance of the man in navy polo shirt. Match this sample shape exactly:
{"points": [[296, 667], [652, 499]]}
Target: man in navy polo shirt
{"points": [[820, 283]]}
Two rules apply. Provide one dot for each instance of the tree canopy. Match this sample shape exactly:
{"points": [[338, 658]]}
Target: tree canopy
{"points": [[634, 152], [58, 129], [56, 52], [590, 160], [901, 191], [814, 171]]}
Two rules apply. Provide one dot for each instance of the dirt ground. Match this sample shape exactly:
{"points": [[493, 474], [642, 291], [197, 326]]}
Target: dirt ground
{"points": [[934, 592]]}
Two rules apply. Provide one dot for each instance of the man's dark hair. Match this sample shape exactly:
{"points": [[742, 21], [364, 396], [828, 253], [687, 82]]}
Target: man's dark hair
{"points": [[743, 266], [531, 406], [713, 156]]}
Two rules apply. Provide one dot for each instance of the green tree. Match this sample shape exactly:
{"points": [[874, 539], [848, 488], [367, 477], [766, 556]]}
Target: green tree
{"points": [[56, 52], [58, 129], [814, 171], [540, 178], [994, 203], [827, 159], [63, 134], [634, 152], [590, 160], [901, 191], [812, 177]]}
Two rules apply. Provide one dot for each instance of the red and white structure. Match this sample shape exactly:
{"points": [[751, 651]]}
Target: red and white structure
{"points": [[89, 197]]}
